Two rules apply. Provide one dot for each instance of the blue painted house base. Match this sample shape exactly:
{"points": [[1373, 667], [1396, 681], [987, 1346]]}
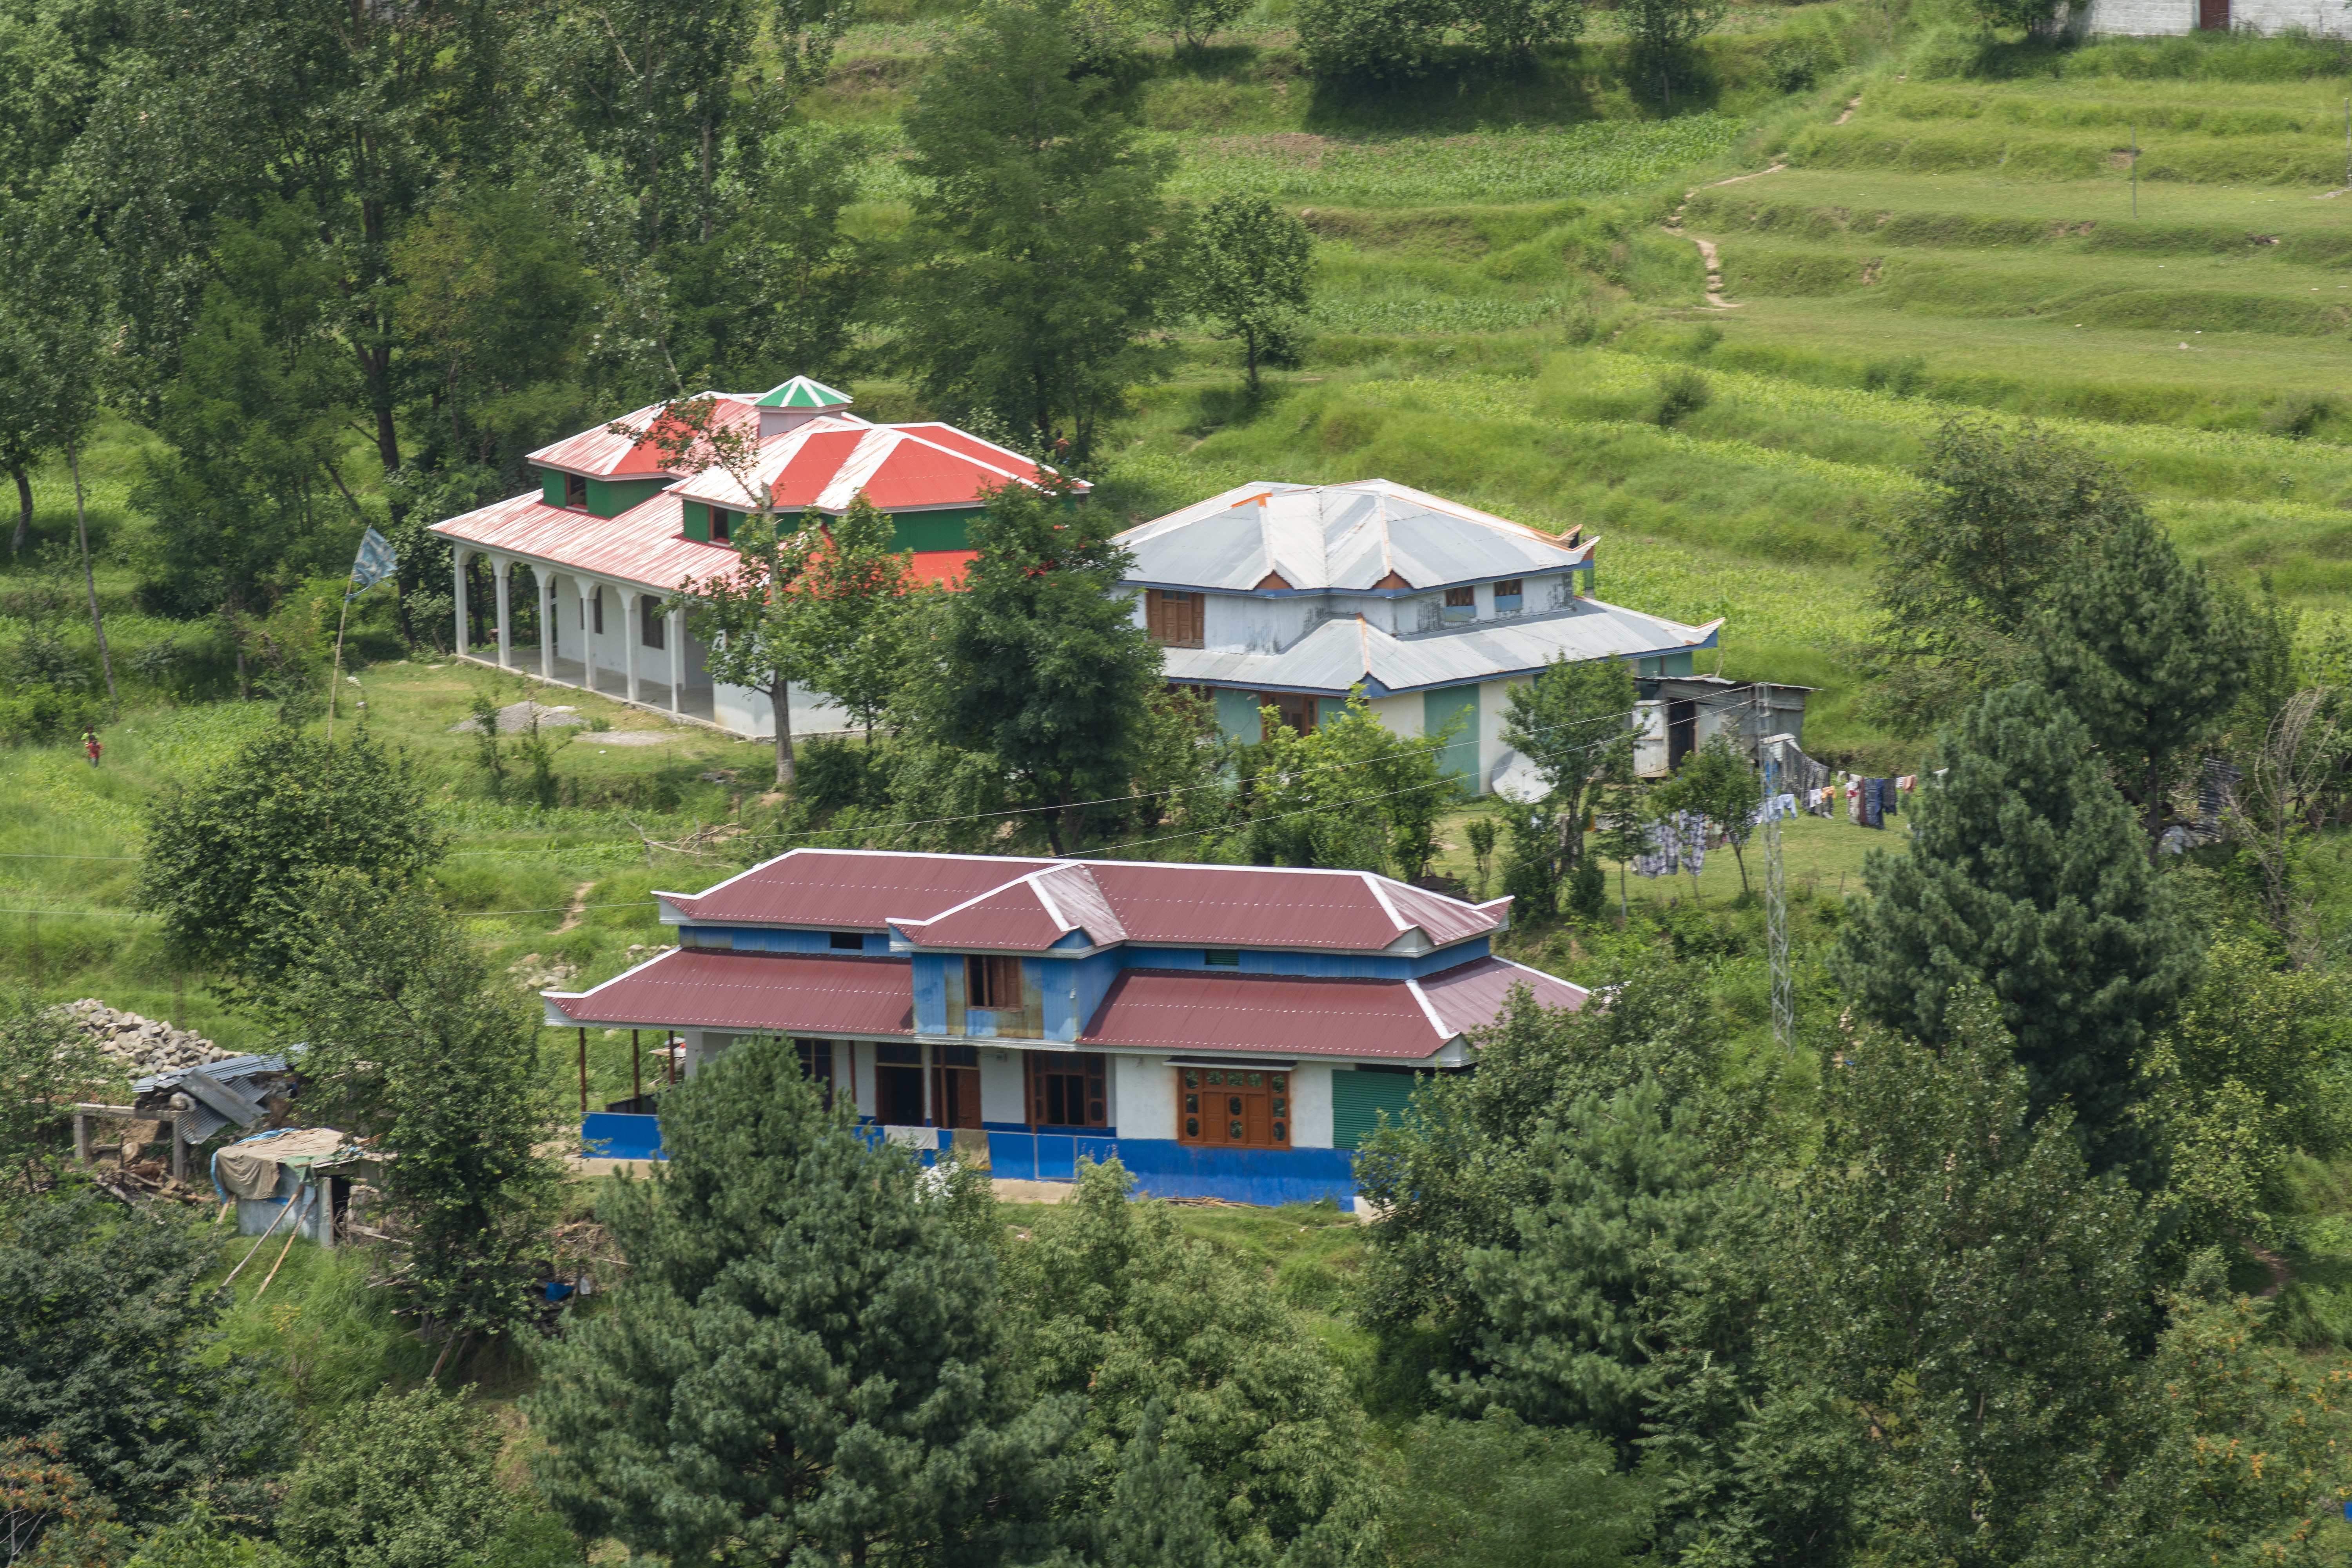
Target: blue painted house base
{"points": [[1162, 1167]]}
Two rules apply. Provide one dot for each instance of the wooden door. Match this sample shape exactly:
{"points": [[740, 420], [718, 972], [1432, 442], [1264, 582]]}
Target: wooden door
{"points": [[2213, 15]]}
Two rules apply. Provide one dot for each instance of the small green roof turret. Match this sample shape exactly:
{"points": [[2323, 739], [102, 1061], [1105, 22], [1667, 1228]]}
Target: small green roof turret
{"points": [[802, 393]]}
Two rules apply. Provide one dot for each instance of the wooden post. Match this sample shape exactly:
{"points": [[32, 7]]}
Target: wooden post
{"points": [[584, 1071], [636, 1084], [179, 1152], [81, 1138]]}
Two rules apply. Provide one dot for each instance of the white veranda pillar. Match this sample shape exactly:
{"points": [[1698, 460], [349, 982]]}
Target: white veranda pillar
{"points": [[677, 639], [545, 593], [498, 567], [458, 557], [581, 588], [629, 634]]}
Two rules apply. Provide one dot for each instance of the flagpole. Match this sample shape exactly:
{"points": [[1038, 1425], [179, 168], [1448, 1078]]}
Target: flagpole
{"points": [[335, 681]]}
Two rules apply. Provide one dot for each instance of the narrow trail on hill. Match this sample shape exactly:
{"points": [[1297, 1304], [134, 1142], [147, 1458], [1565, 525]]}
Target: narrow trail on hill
{"points": [[1706, 251], [578, 907]]}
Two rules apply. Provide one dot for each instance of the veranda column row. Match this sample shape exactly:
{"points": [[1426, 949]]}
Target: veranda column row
{"points": [[632, 626]]}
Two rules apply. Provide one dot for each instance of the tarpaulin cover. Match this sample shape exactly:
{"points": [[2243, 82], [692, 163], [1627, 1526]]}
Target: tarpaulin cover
{"points": [[249, 1170]]}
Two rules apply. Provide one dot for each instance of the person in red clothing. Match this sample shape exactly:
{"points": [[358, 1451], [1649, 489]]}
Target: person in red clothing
{"points": [[90, 743]]}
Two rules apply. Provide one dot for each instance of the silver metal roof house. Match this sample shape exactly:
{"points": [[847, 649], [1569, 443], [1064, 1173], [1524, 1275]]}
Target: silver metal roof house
{"points": [[1289, 596]]}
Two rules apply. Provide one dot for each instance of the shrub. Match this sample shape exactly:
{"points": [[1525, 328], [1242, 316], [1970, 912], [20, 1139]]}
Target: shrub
{"points": [[1682, 392], [402, 1481]]}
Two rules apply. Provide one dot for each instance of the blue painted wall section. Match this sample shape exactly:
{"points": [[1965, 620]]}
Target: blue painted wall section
{"points": [[1323, 965], [1164, 1168], [758, 939], [615, 1135]]}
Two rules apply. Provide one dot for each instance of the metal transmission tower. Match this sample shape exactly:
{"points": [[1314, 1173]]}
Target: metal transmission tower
{"points": [[1776, 892]]}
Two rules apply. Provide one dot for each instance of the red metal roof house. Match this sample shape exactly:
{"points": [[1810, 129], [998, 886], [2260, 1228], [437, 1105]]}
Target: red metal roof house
{"points": [[611, 531], [1224, 1030]]}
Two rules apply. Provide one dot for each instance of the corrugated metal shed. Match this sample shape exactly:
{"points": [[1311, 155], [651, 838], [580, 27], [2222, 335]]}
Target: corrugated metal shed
{"points": [[789, 994], [1340, 654], [1366, 537]]}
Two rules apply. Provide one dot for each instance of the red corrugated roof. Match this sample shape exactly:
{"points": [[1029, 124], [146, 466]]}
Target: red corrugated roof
{"points": [[919, 473], [604, 454], [644, 545], [1469, 997], [943, 566], [988, 452], [775, 993], [1139, 901], [810, 469], [1185, 1010], [851, 889]]}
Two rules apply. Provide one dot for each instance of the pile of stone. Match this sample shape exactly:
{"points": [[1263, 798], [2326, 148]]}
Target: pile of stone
{"points": [[140, 1047]]}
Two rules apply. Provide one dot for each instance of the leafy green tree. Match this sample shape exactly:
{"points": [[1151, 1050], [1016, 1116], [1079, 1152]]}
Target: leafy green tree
{"points": [[402, 1480], [108, 1348], [256, 421], [1370, 39], [757, 627], [1193, 22], [1973, 557], [2241, 1084], [1249, 267], [1160, 1513], [1449, 1178], [1574, 722], [1567, 1311], [1040, 233], [47, 1065], [49, 345], [2151, 657], [2025, 874], [1966, 1296], [1351, 793], [232, 858], [201, 1540], [50, 1516], [1039, 663], [1116, 1305], [1501, 1493], [1621, 833], [864, 598], [804, 1360], [493, 300], [1717, 781], [1663, 32], [414, 1037]]}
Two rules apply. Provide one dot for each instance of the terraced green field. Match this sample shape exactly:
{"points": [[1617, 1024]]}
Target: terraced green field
{"points": [[1947, 228]]}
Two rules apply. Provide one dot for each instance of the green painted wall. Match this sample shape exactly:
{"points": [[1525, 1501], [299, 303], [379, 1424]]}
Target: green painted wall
{"points": [[611, 498], [1459, 706], [551, 487], [1237, 715], [932, 530], [697, 520], [1667, 664], [1357, 1099]]}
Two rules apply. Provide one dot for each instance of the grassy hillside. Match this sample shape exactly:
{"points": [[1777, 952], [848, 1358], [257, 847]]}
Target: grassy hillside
{"points": [[1945, 226]]}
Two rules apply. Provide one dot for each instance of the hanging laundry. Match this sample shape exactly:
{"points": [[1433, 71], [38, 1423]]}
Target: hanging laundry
{"points": [[1887, 796], [1780, 806], [1872, 815]]}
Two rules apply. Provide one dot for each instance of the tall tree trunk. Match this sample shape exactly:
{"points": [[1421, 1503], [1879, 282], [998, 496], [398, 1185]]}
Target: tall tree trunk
{"points": [[90, 581], [24, 507], [780, 696]]}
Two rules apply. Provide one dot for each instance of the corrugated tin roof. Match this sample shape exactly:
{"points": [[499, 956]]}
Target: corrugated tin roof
{"points": [[850, 889], [1014, 904], [602, 454], [829, 460], [1340, 654], [645, 544], [802, 393], [1471, 995], [1360, 537], [1184, 1010], [778, 993]]}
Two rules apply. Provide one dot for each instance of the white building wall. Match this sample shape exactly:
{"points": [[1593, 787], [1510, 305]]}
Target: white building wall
{"points": [[854, 1068], [1494, 706], [1402, 715], [1002, 1088], [2166, 18], [1142, 1097], [1243, 623], [1310, 1106]]}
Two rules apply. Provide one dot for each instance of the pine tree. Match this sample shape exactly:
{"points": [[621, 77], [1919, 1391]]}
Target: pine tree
{"points": [[2025, 873], [1039, 663], [2149, 656], [806, 1363], [1042, 227]]}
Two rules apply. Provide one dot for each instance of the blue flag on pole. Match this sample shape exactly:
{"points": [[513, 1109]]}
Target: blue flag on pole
{"points": [[376, 562]]}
